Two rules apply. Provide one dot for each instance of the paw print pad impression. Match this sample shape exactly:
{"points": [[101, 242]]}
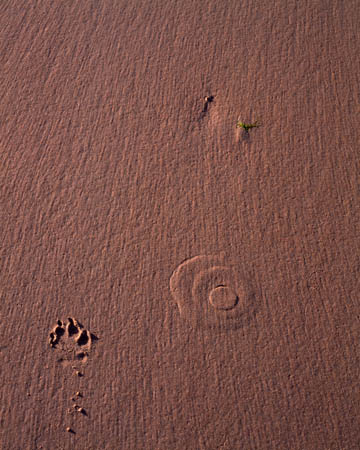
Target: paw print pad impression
{"points": [[71, 339]]}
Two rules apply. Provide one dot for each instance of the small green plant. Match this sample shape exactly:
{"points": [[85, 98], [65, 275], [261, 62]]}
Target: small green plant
{"points": [[247, 126]]}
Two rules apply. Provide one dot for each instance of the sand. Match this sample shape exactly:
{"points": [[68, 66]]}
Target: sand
{"points": [[201, 283]]}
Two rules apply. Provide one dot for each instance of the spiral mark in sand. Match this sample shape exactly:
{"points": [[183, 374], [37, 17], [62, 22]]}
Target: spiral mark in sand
{"points": [[209, 291]]}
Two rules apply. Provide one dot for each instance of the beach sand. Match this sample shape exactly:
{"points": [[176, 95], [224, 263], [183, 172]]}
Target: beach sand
{"points": [[201, 283]]}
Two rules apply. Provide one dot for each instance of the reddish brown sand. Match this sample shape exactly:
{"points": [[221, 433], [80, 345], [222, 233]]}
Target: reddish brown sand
{"points": [[219, 270]]}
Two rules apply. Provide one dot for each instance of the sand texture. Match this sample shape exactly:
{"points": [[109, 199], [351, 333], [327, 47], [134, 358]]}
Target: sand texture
{"points": [[169, 281]]}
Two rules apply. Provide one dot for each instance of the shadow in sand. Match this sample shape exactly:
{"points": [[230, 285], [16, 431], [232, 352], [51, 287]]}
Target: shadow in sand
{"points": [[245, 136], [94, 337]]}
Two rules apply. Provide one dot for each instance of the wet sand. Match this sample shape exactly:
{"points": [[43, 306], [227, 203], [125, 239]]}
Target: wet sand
{"points": [[201, 283]]}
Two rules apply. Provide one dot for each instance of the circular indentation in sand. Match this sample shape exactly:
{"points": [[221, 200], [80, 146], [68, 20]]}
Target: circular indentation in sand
{"points": [[211, 291], [83, 338], [223, 298], [59, 331]]}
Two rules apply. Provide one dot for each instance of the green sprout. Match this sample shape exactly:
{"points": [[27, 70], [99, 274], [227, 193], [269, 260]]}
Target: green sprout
{"points": [[247, 126]]}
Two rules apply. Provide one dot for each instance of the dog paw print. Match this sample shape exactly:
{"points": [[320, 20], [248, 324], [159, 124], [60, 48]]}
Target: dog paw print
{"points": [[73, 343], [72, 339]]}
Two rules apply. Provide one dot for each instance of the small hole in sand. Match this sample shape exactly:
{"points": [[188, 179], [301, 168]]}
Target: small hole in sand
{"points": [[59, 331], [83, 339], [81, 355]]}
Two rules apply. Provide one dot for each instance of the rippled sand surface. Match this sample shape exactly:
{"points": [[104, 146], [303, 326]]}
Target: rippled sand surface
{"points": [[167, 280]]}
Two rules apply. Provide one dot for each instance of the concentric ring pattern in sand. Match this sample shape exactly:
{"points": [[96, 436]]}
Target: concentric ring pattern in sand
{"points": [[211, 292]]}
